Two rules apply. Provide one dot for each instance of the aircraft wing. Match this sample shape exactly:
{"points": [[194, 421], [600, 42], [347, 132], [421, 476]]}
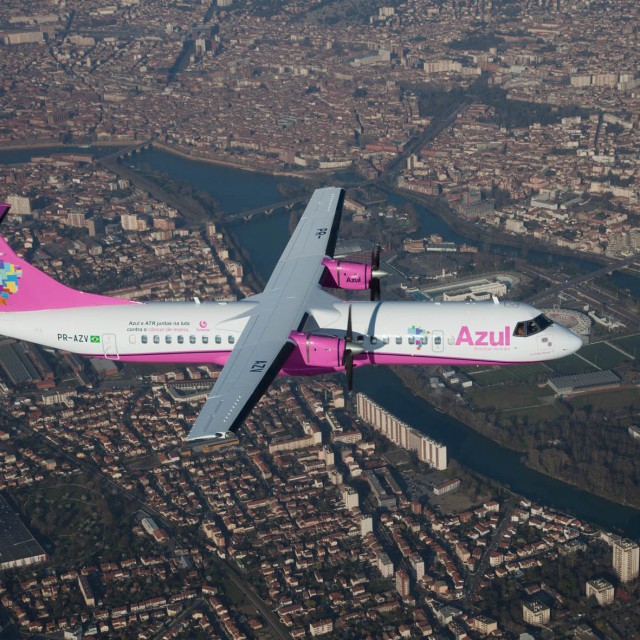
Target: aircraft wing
{"points": [[264, 345]]}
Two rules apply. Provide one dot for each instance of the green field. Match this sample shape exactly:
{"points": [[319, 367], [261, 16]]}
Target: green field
{"points": [[491, 376], [609, 401], [534, 414], [602, 355], [630, 344], [570, 365], [512, 397]]}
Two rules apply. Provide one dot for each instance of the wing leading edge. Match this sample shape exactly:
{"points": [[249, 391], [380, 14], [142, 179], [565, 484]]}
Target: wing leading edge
{"points": [[264, 345]]}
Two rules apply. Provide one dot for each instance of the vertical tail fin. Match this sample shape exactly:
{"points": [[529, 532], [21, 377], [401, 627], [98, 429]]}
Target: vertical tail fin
{"points": [[25, 288]]}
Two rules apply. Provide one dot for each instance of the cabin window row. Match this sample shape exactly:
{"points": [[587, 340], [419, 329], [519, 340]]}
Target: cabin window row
{"points": [[437, 340], [180, 339]]}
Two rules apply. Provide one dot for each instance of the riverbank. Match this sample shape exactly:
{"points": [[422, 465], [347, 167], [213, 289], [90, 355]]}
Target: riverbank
{"points": [[43, 143], [478, 421], [475, 233]]}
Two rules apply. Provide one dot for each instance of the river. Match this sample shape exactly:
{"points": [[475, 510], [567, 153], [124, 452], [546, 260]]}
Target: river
{"points": [[264, 237]]}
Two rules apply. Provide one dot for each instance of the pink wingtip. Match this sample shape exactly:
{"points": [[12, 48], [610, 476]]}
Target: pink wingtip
{"points": [[4, 209]]}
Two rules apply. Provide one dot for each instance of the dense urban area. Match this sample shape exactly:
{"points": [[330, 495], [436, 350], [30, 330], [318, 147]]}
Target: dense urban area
{"points": [[517, 123]]}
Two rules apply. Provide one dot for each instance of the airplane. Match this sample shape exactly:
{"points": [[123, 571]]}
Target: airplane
{"points": [[294, 327]]}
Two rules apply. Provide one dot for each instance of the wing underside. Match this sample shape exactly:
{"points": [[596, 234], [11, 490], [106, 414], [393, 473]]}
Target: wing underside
{"points": [[264, 345]]}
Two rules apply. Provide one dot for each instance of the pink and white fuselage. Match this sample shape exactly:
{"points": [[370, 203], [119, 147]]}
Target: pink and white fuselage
{"points": [[389, 333]]}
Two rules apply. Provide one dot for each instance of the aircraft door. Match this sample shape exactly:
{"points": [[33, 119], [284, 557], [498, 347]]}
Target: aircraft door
{"points": [[109, 346], [437, 341]]}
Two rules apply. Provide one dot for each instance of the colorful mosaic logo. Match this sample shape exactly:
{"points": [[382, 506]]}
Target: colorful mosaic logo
{"points": [[9, 275], [418, 332]]}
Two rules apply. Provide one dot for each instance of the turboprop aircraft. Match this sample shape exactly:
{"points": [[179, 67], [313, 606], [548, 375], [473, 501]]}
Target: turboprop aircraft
{"points": [[293, 327]]}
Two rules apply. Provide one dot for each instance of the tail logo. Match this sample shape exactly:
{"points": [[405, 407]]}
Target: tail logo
{"points": [[9, 276]]}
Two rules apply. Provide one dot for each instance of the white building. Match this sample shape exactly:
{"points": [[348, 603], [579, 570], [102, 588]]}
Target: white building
{"points": [[536, 613], [366, 525], [19, 205], [428, 450], [350, 498], [626, 559], [385, 565], [602, 590]]}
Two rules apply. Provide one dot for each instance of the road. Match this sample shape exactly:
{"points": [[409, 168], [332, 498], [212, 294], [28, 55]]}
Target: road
{"points": [[559, 286], [472, 580]]}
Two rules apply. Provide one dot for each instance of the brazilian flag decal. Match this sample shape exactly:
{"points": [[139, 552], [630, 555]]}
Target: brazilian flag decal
{"points": [[95, 339]]}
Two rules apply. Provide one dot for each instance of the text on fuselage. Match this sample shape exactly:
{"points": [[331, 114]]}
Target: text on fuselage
{"points": [[484, 338]]}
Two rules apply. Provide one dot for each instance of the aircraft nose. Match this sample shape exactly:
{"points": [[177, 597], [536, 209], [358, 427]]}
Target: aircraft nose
{"points": [[572, 342]]}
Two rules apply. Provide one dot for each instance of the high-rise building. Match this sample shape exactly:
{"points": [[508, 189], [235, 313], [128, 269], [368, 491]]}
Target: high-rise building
{"points": [[366, 525], [402, 583], [602, 590], [350, 498], [536, 613], [416, 564], [385, 565], [626, 559], [428, 450]]}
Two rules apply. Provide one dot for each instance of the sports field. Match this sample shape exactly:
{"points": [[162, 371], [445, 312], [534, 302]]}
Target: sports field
{"points": [[630, 344], [603, 355], [491, 376], [512, 398], [570, 365]]}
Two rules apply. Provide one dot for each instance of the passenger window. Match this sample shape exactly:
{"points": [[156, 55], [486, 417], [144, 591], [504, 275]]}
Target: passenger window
{"points": [[205, 339], [192, 339], [167, 339], [437, 340], [398, 339], [385, 339], [156, 339], [360, 339], [144, 339], [132, 339], [218, 339], [180, 339], [231, 339], [411, 340], [374, 340]]}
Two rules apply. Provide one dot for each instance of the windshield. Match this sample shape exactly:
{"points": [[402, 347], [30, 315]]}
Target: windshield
{"points": [[529, 327]]}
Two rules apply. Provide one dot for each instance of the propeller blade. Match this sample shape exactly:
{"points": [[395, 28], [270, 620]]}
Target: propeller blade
{"points": [[375, 258], [348, 368], [376, 274], [375, 289], [350, 349]]}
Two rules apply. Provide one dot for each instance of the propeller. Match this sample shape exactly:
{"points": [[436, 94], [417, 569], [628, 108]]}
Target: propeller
{"points": [[376, 273], [350, 350]]}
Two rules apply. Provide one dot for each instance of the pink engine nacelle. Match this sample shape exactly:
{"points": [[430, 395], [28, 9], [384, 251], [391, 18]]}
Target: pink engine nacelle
{"points": [[318, 351], [346, 275]]}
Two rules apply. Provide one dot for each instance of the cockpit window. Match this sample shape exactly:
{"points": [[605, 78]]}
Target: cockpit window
{"points": [[529, 327]]}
